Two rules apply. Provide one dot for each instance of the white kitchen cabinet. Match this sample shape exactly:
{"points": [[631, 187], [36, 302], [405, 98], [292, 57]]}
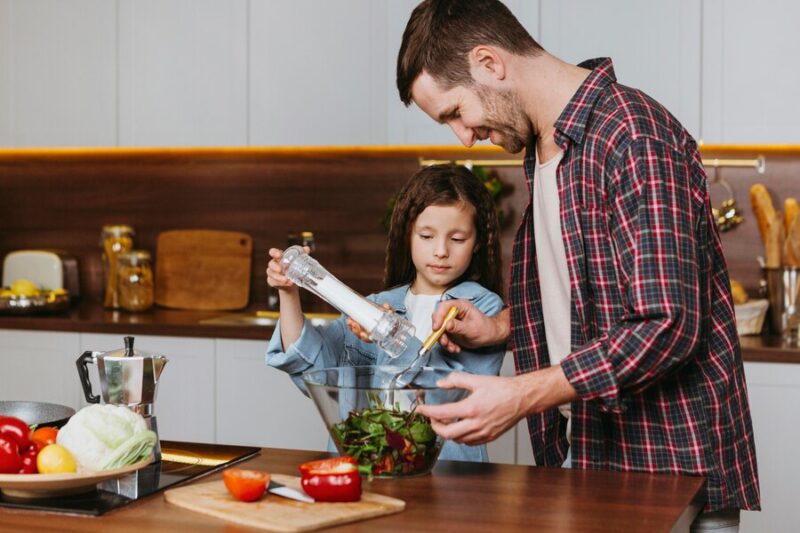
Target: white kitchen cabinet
{"points": [[58, 73], [750, 76], [182, 67], [266, 72], [258, 405], [773, 390], [186, 396], [655, 46], [524, 454], [39, 366], [317, 72], [504, 449]]}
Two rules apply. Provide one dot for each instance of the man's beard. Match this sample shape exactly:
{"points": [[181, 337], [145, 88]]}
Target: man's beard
{"points": [[505, 117]]}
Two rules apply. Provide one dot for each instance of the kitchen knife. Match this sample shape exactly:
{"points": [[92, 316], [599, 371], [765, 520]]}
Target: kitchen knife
{"points": [[287, 492]]}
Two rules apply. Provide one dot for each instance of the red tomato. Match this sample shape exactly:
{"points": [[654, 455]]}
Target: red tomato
{"points": [[245, 485], [29, 460], [44, 436], [10, 460]]}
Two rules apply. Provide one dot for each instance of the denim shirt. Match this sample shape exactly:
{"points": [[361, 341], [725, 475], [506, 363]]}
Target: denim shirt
{"points": [[321, 347]]}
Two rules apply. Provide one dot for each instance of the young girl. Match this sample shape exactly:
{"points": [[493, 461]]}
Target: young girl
{"points": [[443, 244]]}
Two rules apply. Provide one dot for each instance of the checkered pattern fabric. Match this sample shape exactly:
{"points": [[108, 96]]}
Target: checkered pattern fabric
{"points": [[655, 355]]}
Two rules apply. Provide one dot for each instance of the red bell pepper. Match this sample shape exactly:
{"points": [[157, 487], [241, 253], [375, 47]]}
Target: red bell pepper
{"points": [[332, 480], [15, 429]]}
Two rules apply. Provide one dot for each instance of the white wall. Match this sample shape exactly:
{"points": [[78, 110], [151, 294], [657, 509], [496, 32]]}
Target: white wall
{"points": [[314, 72]]}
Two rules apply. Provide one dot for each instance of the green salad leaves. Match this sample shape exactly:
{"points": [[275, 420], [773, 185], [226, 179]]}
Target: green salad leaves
{"points": [[387, 441]]}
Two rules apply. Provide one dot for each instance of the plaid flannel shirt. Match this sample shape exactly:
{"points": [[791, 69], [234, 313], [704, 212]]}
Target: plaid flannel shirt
{"points": [[655, 355]]}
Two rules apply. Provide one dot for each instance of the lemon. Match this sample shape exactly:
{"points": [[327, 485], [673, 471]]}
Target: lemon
{"points": [[24, 287], [738, 292], [55, 459], [5, 293]]}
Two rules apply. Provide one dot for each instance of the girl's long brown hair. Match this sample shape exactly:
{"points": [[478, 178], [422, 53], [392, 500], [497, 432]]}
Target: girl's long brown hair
{"points": [[446, 184]]}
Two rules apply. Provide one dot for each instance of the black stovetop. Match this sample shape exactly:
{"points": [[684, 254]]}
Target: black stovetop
{"points": [[181, 461]]}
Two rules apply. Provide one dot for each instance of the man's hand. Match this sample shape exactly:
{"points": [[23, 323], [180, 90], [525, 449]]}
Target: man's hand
{"points": [[471, 328], [496, 403]]}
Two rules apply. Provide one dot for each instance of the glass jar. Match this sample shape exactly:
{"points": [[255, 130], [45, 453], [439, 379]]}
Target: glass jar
{"points": [[114, 241], [135, 281], [307, 239]]}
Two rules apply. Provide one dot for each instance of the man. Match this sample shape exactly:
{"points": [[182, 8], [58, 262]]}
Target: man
{"points": [[620, 318]]}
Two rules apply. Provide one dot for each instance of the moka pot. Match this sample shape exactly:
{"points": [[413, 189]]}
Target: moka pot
{"points": [[128, 378]]}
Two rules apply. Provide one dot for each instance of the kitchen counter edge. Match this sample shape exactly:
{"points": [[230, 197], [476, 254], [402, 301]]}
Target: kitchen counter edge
{"points": [[90, 317]]}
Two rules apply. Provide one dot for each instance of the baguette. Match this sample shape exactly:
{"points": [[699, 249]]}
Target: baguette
{"points": [[790, 211], [791, 245], [773, 246], [763, 209]]}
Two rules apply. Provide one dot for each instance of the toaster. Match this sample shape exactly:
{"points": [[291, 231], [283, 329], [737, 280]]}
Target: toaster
{"points": [[48, 269]]}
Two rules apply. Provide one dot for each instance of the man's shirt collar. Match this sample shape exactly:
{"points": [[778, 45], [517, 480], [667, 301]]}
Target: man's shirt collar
{"points": [[571, 124]]}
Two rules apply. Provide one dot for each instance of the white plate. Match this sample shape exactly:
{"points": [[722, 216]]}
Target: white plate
{"points": [[50, 485]]}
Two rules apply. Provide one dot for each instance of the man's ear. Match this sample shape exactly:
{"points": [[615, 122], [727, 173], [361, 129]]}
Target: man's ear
{"points": [[486, 63]]}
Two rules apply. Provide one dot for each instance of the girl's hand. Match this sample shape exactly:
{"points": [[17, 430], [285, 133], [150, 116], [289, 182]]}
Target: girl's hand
{"points": [[275, 273], [359, 331]]}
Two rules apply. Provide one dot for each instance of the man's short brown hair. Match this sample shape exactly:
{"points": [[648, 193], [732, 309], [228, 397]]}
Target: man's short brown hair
{"points": [[440, 34]]}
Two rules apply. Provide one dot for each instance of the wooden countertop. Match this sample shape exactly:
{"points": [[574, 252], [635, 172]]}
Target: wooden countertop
{"points": [[456, 497], [90, 317], [768, 349]]}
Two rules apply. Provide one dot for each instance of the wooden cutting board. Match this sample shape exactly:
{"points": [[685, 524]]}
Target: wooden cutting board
{"points": [[203, 269], [275, 513]]}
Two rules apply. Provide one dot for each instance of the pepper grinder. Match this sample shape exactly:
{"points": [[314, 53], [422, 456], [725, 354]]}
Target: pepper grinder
{"points": [[388, 330]]}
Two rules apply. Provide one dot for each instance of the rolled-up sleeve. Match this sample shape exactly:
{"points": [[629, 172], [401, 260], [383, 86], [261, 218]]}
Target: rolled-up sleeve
{"points": [[313, 349]]}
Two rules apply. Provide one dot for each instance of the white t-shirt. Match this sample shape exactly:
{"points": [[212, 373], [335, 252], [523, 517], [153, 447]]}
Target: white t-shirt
{"points": [[420, 308], [551, 260]]}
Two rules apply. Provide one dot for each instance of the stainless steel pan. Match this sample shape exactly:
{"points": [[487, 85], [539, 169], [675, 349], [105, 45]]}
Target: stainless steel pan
{"points": [[39, 413]]}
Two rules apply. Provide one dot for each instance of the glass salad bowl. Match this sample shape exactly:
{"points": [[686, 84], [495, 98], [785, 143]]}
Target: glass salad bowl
{"points": [[378, 424]]}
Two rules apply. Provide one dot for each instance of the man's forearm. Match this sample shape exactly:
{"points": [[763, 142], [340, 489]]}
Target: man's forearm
{"points": [[545, 389], [502, 328]]}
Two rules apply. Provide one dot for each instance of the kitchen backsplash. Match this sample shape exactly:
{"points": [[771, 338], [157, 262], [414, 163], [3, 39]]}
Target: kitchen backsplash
{"points": [[61, 198]]}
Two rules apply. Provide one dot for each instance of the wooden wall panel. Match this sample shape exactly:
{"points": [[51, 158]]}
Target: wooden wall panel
{"points": [[743, 244], [62, 198]]}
